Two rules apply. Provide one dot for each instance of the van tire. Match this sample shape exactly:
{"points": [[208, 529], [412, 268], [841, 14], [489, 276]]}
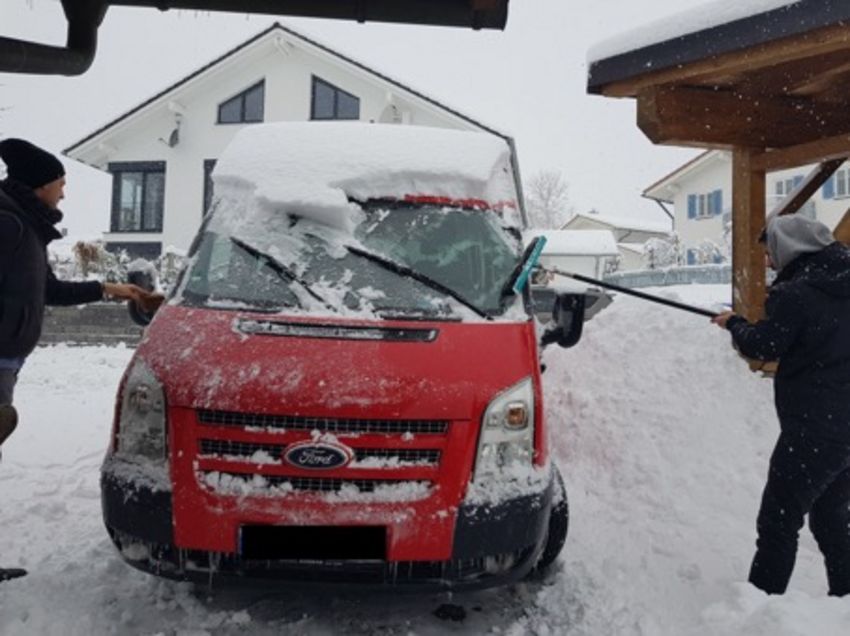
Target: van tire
{"points": [[559, 523]]}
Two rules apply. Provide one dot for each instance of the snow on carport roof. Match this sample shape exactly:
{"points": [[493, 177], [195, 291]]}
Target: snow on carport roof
{"points": [[708, 30]]}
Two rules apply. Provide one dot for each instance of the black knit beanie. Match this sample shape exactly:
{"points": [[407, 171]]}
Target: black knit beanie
{"points": [[29, 164]]}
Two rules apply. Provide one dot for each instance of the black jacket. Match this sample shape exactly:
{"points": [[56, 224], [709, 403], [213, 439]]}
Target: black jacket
{"points": [[807, 329], [26, 281]]}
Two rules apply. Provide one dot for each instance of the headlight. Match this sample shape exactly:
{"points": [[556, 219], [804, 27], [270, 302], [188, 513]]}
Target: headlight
{"points": [[507, 432], [141, 426]]}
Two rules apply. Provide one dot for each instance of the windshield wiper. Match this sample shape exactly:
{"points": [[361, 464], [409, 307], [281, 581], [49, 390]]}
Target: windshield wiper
{"points": [[280, 269], [408, 272]]}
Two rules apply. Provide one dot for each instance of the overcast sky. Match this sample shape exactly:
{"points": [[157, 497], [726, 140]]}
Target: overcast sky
{"points": [[528, 81]]}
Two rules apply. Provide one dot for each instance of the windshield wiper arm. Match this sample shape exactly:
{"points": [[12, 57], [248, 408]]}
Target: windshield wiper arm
{"points": [[408, 272], [279, 268]]}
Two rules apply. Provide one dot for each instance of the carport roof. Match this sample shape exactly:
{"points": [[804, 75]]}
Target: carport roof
{"points": [[772, 79]]}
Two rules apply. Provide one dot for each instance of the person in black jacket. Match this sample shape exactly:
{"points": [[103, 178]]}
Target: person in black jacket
{"points": [[807, 330], [29, 199]]}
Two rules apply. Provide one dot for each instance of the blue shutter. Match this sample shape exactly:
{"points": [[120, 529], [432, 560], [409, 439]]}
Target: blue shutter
{"points": [[692, 206], [718, 202], [828, 189], [692, 259]]}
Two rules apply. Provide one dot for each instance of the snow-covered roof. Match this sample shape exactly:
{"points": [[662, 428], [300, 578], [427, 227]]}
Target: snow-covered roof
{"points": [[720, 31], [624, 222], [576, 242], [680, 24], [315, 168]]}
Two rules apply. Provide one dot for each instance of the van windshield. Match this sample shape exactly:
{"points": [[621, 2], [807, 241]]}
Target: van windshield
{"points": [[402, 260]]}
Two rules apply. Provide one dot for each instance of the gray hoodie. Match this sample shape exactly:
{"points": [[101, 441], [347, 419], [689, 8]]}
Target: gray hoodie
{"points": [[793, 235]]}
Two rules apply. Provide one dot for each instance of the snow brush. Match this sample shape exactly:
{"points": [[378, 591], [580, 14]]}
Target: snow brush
{"points": [[632, 292]]}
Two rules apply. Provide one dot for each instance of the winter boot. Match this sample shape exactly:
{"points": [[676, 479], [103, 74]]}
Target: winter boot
{"points": [[8, 422], [7, 574]]}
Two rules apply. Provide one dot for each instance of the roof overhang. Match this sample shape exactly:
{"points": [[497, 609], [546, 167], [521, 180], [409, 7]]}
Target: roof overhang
{"points": [[771, 80], [84, 19]]}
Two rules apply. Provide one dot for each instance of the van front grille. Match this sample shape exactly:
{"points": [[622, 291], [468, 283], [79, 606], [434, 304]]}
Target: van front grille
{"points": [[246, 450], [311, 484], [321, 424]]}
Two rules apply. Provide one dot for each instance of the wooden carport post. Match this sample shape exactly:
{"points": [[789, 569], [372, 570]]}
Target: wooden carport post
{"points": [[748, 219]]}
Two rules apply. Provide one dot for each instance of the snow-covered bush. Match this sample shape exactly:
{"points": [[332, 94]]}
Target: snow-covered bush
{"points": [[659, 253]]}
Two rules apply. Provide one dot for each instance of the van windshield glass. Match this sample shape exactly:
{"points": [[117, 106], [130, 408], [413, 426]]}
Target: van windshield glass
{"points": [[451, 262]]}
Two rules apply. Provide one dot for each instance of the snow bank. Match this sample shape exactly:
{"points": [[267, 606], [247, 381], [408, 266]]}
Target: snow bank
{"points": [[698, 19], [660, 430], [312, 169]]}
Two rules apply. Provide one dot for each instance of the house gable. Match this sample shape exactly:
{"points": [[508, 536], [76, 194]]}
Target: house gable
{"points": [[284, 42]]}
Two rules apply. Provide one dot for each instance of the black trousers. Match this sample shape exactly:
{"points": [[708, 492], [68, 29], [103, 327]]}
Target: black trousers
{"points": [[808, 475]]}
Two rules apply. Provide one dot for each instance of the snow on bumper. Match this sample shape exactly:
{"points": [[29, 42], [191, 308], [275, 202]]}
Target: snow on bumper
{"points": [[490, 543]]}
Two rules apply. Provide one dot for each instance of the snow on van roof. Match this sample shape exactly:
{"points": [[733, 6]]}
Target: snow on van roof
{"points": [[699, 18], [576, 242], [312, 169]]}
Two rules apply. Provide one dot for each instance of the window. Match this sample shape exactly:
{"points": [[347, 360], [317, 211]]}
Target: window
{"points": [[138, 196], [703, 206], [330, 102], [209, 165], [245, 108], [784, 187], [838, 185]]}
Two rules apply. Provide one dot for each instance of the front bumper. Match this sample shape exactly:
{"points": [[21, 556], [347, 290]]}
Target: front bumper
{"points": [[494, 544]]}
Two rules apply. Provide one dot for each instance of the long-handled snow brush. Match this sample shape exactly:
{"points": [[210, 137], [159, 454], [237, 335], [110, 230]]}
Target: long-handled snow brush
{"points": [[632, 292]]}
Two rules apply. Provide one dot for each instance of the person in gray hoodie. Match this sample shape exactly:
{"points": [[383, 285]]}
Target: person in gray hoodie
{"points": [[806, 329]]}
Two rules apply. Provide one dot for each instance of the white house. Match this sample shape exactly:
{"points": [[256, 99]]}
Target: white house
{"points": [[629, 233], [162, 152], [701, 194]]}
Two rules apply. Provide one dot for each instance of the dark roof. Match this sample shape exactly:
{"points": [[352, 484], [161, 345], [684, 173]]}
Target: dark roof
{"points": [[790, 20], [237, 49]]}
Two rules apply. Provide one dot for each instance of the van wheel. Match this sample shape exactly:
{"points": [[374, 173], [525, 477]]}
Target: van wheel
{"points": [[559, 522]]}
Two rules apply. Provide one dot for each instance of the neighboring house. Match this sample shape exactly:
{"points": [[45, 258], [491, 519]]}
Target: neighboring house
{"points": [[161, 153], [629, 233], [701, 194]]}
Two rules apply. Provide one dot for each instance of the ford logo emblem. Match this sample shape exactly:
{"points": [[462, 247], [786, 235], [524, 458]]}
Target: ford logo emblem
{"points": [[317, 456]]}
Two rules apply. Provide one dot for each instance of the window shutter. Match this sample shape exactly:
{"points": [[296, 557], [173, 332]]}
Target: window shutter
{"points": [[692, 206], [828, 189], [798, 179], [718, 202]]}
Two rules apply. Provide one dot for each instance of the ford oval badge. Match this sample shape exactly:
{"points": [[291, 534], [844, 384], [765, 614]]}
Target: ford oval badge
{"points": [[317, 456]]}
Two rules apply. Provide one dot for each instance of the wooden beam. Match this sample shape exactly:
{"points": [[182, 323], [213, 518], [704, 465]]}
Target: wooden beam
{"points": [[717, 118], [837, 147], [804, 191], [748, 218], [842, 230], [819, 42]]}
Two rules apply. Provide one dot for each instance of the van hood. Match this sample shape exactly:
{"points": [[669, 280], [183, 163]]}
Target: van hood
{"points": [[230, 361]]}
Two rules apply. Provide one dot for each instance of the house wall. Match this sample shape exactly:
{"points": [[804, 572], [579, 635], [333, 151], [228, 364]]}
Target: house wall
{"points": [[828, 205], [287, 66]]}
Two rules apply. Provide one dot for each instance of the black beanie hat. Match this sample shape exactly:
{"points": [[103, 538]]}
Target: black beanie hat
{"points": [[30, 164]]}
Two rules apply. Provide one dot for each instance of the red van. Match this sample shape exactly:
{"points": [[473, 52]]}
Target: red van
{"points": [[344, 386]]}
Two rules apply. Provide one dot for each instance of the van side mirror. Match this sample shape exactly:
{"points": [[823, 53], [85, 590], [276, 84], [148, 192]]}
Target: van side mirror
{"points": [[568, 318], [142, 274]]}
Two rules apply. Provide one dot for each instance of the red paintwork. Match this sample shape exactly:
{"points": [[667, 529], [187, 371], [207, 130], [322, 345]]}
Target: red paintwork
{"points": [[204, 363]]}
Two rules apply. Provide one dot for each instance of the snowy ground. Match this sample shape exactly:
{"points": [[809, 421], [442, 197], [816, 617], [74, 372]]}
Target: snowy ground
{"points": [[662, 434]]}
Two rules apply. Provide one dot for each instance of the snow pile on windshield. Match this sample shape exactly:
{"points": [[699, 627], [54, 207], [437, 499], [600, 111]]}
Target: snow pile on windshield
{"points": [[684, 23], [312, 169]]}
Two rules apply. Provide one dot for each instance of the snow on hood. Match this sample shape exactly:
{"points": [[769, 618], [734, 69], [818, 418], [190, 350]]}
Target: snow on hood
{"points": [[312, 169]]}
